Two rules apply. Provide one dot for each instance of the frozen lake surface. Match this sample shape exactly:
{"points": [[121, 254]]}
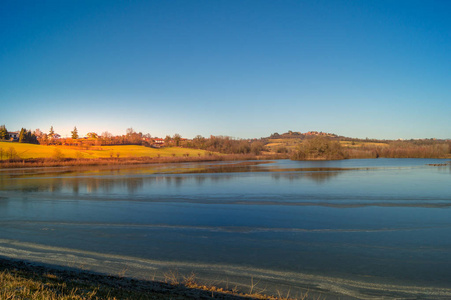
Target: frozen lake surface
{"points": [[351, 228]]}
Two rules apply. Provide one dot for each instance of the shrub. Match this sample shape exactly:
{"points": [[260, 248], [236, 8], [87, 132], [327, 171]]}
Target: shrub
{"points": [[282, 149], [319, 148], [12, 154], [57, 154]]}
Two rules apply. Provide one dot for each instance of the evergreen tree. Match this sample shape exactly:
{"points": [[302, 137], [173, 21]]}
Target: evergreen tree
{"points": [[75, 133], [4, 133], [29, 136], [51, 132], [22, 135]]}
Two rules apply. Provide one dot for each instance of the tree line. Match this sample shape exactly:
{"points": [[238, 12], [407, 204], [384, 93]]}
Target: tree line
{"points": [[316, 147], [328, 149], [25, 136], [404, 149], [227, 145], [222, 144]]}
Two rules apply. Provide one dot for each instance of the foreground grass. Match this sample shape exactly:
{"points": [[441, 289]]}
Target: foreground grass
{"points": [[30, 151], [19, 280]]}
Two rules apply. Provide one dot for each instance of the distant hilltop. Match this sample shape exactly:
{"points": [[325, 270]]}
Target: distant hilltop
{"points": [[297, 134]]}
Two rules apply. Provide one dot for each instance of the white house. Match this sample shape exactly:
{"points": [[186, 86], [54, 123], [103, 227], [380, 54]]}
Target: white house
{"points": [[14, 135]]}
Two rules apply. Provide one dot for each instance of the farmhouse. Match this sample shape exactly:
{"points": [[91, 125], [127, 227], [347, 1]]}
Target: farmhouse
{"points": [[157, 143], [14, 135]]}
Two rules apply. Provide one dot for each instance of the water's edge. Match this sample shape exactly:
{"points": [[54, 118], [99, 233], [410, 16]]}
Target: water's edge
{"points": [[227, 276]]}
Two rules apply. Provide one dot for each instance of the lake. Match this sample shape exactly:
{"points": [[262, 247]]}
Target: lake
{"points": [[349, 229]]}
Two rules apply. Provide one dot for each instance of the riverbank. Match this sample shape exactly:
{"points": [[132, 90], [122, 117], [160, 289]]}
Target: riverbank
{"points": [[64, 162], [24, 280]]}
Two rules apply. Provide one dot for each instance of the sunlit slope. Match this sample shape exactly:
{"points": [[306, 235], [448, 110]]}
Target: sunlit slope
{"points": [[351, 144], [25, 151], [292, 143]]}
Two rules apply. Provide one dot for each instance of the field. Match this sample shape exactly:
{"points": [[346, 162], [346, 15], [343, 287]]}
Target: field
{"points": [[27, 151], [292, 143], [274, 145], [349, 144]]}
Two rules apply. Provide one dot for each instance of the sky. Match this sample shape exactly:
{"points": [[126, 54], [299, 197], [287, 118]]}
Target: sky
{"points": [[245, 69]]}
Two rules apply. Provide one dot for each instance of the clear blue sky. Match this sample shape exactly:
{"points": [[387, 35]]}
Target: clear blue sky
{"points": [[378, 69]]}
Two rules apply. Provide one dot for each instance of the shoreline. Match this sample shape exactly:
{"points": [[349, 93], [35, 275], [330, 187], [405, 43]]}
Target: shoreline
{"points": [[90, 162], [50, 281], [176, 278], [55, 282], [73, 162]]}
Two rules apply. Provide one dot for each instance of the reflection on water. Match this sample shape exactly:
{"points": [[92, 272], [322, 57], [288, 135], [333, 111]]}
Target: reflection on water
{"points": [[318, 176], [135, 178], [378, 221], [134, 184]]}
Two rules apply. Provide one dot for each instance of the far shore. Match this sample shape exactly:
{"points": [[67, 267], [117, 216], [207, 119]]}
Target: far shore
{"points": [[86, 162], [73, 162], [23, 155]]}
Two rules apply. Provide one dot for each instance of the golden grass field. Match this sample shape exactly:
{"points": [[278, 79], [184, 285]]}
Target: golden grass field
{"points": [[25, 151], [349, 144], [274, 144]]}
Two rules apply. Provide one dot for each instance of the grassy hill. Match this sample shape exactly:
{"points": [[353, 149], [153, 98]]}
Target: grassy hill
{"points": [[273, 144], [26, 151], [358, 148]]}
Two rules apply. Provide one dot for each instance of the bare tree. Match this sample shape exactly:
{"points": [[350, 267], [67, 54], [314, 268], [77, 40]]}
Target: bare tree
{"points": [[167, 140], [106, 137], [177, 138]]}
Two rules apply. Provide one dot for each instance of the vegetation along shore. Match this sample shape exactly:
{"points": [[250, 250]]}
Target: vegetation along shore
{"points": [[23, 280], [26, 148]]}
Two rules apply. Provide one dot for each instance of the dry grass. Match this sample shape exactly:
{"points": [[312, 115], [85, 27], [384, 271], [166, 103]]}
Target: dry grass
{"points": [[274, 144], [15, 285], [173, 277], [350, 144], [64, 162], [17, 155], [31, 151], [19, 280]]}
